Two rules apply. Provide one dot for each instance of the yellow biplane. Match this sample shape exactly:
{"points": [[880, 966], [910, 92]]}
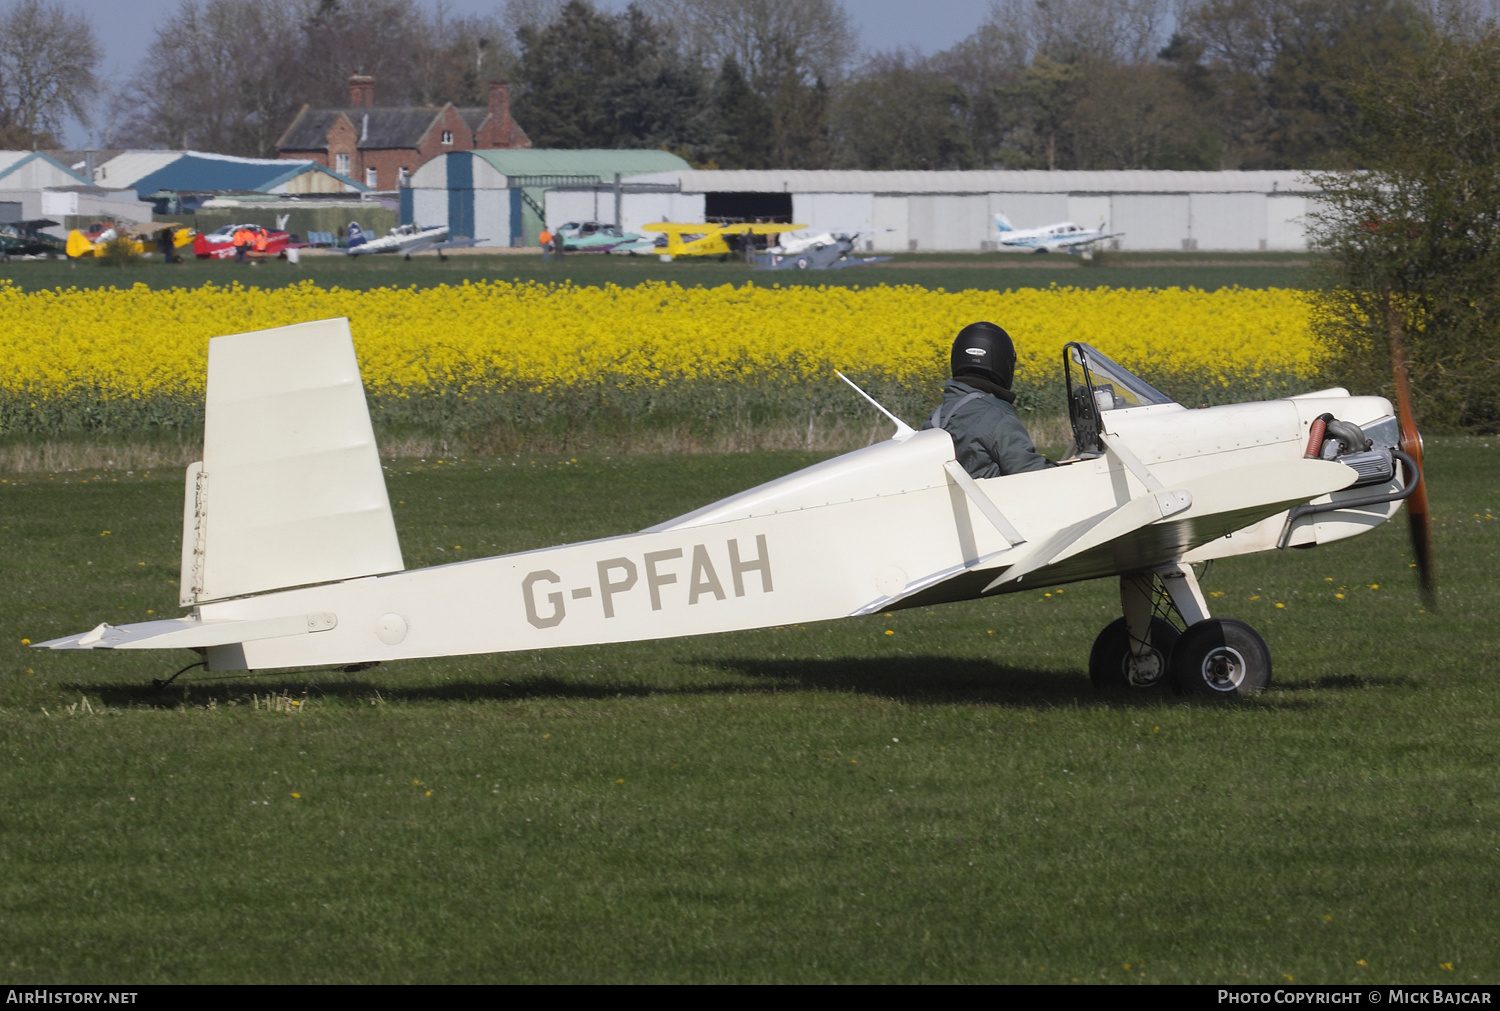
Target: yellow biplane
{"points": [[143, 237], [704, 239]]}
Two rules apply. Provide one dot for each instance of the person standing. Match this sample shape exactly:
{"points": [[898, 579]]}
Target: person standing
{"points": [[546, 240], [164, 244], [241, 243]]}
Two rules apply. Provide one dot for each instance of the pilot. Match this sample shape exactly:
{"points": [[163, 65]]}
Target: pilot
{"points": [[988, 436]]}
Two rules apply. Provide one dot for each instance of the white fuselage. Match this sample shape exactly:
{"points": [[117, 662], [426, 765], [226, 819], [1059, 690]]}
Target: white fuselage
{"points": [[881, 527], [400, 238]]}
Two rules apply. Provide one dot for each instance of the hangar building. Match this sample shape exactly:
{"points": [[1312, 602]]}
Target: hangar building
{"points": [[187, 178], [497, 195], [34, 185], [911, 211]]}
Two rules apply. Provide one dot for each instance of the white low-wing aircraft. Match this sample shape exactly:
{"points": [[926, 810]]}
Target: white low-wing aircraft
{"points": [[290, 556], [1064, 235], [406, 239]]}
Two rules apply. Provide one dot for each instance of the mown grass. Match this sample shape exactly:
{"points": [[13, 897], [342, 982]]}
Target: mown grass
{"points": [[819, 803], [952, 271]]}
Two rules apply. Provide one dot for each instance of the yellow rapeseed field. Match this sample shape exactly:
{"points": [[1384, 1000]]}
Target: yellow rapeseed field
{"points": [[138, 343]]}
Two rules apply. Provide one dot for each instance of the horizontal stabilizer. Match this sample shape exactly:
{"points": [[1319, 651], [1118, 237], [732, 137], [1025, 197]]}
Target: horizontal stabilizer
{"points": [[191, 633]]}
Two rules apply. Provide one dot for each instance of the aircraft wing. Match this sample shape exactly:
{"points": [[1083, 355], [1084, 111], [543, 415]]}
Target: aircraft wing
{"points": [[146, 228], [760, 228], [460, 243], [1152, 529], [1069, 241], [1157, 527], [671, 228]]}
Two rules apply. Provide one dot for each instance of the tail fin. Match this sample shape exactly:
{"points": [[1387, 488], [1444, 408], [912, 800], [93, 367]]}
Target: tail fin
{"points": [[290, 490], [1002, 223]]}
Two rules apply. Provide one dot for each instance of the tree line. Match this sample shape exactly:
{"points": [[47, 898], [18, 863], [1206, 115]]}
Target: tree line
{"points": [[1050, 84]]}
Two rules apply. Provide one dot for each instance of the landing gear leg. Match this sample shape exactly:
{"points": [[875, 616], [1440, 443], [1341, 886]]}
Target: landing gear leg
{"points": [[1132, 653]]}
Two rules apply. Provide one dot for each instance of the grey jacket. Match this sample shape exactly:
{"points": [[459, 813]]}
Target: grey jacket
{"points": [[988, 435]]}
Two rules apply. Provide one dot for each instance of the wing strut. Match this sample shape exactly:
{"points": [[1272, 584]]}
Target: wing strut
{"points": [[985, 504]]}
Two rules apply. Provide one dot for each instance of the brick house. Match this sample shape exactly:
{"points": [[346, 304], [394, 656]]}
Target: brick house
{"points": [[381, 146]]}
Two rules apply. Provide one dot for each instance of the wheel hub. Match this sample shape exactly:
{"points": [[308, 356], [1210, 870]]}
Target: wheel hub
{"points": [[1145, 670], [1223, 669]]}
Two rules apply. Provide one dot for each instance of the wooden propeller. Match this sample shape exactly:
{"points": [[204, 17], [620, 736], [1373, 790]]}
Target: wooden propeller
{"points": [[1418, 516]]}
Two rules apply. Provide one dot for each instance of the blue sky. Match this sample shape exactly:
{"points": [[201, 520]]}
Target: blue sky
{"points": [[126, 29]]}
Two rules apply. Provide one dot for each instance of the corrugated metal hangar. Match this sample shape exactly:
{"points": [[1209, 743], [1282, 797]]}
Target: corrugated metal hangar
{"points": [[34, 185], [497, 195], [956, 210]]}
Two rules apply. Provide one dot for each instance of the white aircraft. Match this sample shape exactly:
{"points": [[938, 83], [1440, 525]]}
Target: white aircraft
{"points": [[290, 556], [792, 243], [407, 239], [1064, 235]]}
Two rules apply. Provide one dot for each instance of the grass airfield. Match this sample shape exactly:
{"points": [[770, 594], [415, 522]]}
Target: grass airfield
{"points": [[953, 271], [935, 795]]}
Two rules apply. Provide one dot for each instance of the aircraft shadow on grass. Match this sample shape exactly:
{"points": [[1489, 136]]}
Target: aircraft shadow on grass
{"points": [[918, 680]]}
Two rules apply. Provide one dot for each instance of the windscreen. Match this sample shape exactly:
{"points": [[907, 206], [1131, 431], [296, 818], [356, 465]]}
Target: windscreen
{"points": [[1115, 387]]}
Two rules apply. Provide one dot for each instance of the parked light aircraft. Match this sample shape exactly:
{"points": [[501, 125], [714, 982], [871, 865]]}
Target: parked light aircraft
{"points": [[405, 239], [26, 238], [219, 243], [713, 240], [93, 240], [599, 237], [1064, 235], [826, 251], [290, 556]]}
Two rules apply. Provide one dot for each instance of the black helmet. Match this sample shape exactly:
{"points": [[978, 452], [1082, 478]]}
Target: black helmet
{"points": [[986, 350]]}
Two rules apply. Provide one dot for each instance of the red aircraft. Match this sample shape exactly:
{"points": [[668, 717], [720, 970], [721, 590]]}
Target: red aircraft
{"points": [[219, 244]]}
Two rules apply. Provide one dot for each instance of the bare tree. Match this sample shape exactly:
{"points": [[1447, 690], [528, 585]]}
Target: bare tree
{"points": [[462, 54], [769, 39], [1070, 31], [47, 59], [220, 76]]}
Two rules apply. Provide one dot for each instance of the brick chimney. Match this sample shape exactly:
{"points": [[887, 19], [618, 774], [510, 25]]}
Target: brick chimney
{"points": [[500, 99], [502, 130], [362, 91]]}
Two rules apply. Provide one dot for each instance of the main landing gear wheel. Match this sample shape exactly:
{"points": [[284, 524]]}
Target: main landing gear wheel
{"points": [[1114, 667], [1220, 660]]}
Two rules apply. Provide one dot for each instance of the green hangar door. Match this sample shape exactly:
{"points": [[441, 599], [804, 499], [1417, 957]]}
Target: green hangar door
{"points": [[460, 195]]}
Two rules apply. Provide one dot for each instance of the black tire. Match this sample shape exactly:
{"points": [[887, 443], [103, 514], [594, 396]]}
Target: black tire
{"points": [[1220, 660], [1110, 667]]}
